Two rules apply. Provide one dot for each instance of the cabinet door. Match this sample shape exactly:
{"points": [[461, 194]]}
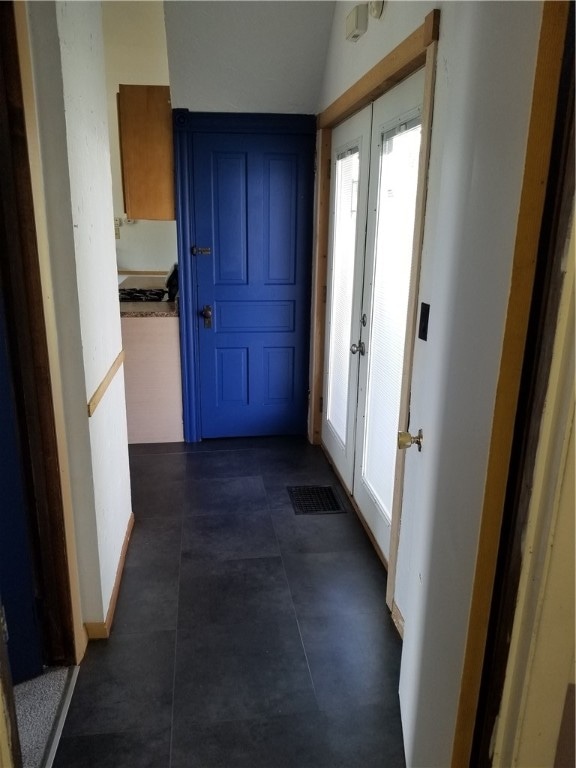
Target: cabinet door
{"points": [[145, 123]]}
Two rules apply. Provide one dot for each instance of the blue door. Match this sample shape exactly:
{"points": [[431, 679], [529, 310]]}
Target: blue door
{"points": [[251, 257], [17, 590]]}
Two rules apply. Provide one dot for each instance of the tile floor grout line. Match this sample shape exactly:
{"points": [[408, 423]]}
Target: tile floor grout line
{"points": [[293, 605], [176, 643]]}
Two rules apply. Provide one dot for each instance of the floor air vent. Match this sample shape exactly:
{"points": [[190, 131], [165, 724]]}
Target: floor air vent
{"points": [[314, 499]]}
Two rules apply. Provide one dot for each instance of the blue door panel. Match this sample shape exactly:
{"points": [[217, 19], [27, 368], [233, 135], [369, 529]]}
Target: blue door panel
{"points": [[254, 316], [229, 205], [252, 209], [280, 223], [278, 375], [231, 377]]}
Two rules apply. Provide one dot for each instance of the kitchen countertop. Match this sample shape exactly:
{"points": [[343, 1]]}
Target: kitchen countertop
{"points": [[146, 308], [149, 309]]}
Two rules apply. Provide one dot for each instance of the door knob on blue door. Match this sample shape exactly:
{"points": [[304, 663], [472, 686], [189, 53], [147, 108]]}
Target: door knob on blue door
{"points": [[206, 313]]}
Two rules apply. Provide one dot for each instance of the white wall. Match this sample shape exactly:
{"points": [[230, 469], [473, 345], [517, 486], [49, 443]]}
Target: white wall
{"points": [[485, 73], [479, 141], [135, 54], [79, 29], [109, 439], [247, 56], [82, 52], [68, 71], [346, 62]]}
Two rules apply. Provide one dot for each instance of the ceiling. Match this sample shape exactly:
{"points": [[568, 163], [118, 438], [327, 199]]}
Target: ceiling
{"points": [[247, 56]]}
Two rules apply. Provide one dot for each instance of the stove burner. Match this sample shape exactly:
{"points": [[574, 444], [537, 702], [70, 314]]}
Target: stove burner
{"points": [[141, 294]]}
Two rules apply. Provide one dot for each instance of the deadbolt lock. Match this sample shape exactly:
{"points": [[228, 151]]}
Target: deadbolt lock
{"points": [[406, 440]]}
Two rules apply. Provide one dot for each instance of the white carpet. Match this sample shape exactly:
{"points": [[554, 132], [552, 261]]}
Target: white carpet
{"points": [[41, 706]]}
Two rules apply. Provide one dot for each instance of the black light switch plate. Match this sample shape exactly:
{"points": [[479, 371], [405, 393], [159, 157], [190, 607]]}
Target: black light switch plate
{"points": [[423, 324]]}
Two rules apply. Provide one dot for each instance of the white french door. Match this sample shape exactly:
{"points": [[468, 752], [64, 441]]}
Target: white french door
{"points": [[348, 206], [369, 298]]}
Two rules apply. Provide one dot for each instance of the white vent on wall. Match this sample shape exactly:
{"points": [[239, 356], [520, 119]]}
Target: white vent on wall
{"points": [[357, 22]]}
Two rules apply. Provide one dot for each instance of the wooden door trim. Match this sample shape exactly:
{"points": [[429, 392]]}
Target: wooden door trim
{"points": [[24, 307], [10, 750], [404, 60], [408, 57], [319, 282], [536, 170]]}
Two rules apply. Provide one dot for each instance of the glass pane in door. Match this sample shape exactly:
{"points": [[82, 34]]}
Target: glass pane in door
{"points": [[398, 180], [342, 285]]}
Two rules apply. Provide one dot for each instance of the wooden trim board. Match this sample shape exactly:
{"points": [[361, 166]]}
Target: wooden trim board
{"points": [[398, 619], [10, 748], [97, 630], [100, 630], [404, 60], [536, 169], [105, 383], [319, 281]]}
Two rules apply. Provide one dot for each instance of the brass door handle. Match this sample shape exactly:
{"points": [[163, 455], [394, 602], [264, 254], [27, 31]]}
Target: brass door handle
{"points": [[406, 440]]}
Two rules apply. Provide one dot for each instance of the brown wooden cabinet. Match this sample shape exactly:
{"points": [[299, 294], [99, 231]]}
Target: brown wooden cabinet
{"points": [[145, 124]]}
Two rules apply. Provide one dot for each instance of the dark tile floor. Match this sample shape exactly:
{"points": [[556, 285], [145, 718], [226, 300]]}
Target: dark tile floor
{"points": [[245, 636]]}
